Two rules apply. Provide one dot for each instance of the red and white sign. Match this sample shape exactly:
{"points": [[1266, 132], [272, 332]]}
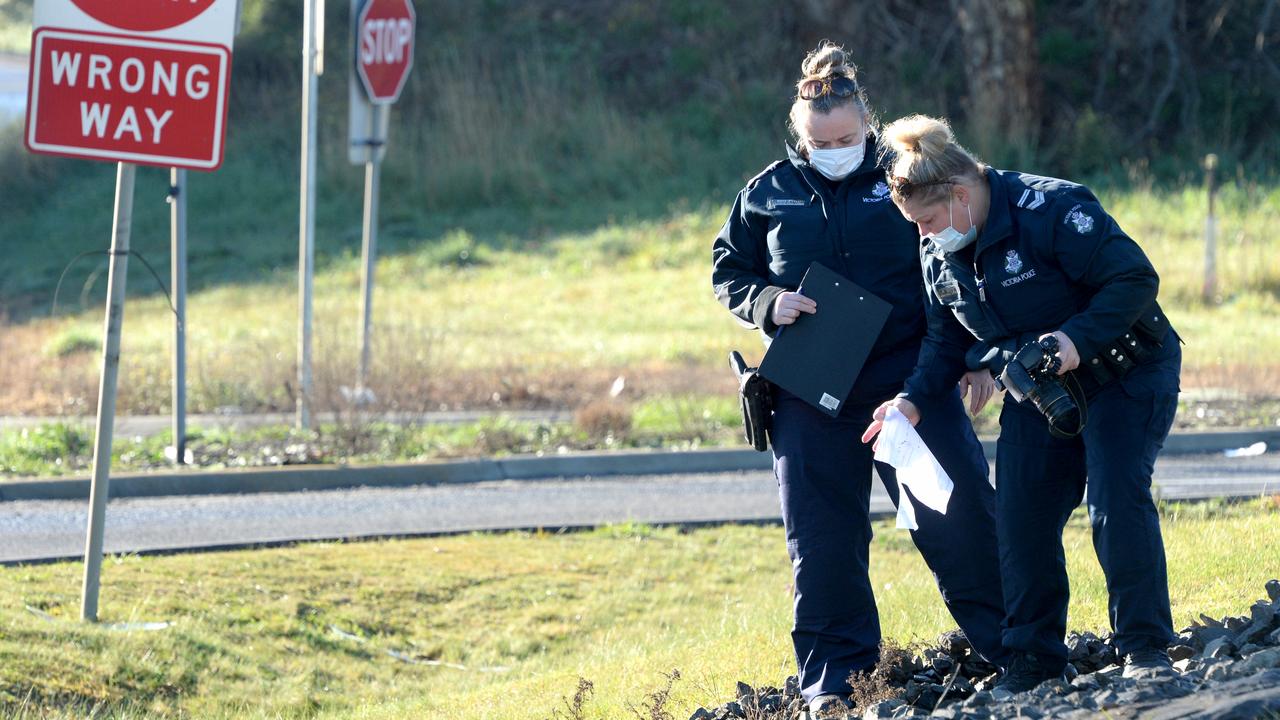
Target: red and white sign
{"points": [[143, 81], [144, 16], [384, 48]]}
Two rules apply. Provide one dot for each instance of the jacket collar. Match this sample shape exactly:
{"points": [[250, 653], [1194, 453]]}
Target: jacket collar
{"points": [[999, 224]]}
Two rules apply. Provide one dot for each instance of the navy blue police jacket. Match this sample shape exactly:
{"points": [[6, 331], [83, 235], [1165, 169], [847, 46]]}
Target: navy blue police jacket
{"points": [[1048, 258], [787, 218]]}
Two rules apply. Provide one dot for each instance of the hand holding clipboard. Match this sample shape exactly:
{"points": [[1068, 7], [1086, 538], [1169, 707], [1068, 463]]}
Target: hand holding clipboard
{"points": [[789, 306], [819, 356]]}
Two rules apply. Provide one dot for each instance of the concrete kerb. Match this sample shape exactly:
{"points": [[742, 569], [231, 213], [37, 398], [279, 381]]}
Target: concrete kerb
{"points": [[330, 477]]}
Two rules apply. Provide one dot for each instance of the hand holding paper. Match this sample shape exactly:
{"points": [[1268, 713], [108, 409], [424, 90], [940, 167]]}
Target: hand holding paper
{"points": [[906, 407], [903, 448]]}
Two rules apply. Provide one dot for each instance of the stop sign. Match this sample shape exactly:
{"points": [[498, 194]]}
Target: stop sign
{"points": [[384, 48]]}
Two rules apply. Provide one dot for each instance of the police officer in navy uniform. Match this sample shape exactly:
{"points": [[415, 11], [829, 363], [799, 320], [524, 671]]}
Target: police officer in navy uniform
{"points": [[828, 202], [1008, 259]]}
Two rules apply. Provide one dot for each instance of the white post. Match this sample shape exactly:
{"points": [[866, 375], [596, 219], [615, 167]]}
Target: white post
{"points": [[312, 59], [1210, 292], [372, 171], [178, 229], [116, 274]]}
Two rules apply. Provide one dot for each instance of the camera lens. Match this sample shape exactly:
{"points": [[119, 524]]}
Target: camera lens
{"points": [[1057, 406]]}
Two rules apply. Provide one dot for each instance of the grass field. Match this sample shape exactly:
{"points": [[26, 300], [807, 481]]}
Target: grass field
{"points": [[493, 318], [468, 319], [359, 630], [546, 216]]}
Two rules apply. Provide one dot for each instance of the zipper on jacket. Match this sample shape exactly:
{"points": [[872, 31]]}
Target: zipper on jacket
{"points": [[816, 194], [960, 271]]}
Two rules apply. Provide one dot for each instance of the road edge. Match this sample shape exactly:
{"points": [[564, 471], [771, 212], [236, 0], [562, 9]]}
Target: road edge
{"points": [[304, 478]]}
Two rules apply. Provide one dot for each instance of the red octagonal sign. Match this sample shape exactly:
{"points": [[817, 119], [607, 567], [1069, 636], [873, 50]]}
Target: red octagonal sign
{"points": [[143, 15], [384, 48]]}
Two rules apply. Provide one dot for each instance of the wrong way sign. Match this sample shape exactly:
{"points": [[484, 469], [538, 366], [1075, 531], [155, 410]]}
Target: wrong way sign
{"points": [[144, 81]]}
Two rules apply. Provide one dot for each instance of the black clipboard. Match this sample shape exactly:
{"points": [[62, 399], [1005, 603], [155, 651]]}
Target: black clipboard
{"points": [[818, 357]]}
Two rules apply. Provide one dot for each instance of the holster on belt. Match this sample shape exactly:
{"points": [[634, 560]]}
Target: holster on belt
{"points": [[756, 395], [1130, 350]]}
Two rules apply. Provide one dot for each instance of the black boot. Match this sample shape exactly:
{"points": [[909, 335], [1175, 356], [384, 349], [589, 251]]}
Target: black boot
{"points": [[828, 706], [1024, 673], [1149, 662]]}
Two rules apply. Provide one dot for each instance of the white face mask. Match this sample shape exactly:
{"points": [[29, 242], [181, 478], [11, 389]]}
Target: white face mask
{"points": [[949, 239], [837, 163]]}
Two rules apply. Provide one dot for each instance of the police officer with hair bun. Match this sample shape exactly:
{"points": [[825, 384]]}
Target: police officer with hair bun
{"points": [[1029, 278], [828, 202]]}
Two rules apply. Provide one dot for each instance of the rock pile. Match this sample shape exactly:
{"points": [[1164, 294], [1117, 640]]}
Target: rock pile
{"points": [[1227, 668]]}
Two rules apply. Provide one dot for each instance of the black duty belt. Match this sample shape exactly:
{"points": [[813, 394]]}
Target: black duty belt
{"points": [[1126, 352]]}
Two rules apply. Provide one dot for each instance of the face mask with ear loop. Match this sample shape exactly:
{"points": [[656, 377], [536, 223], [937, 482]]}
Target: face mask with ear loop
{"points": [[837, 163], [949, 239]]}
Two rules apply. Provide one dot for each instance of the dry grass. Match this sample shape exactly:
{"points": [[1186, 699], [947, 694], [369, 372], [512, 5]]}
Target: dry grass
{"points": [[657, 706], [872, 687], [573, 708], [604, 420]]}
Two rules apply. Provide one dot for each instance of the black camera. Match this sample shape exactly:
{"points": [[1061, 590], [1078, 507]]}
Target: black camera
{"points": [[1033, 373]]}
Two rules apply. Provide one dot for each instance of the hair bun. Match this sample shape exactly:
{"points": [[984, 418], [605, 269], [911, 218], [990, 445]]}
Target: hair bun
{"points": [[826, 60], [919, 135]]}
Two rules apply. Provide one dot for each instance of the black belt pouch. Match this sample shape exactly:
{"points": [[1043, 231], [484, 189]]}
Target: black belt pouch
{"points": [[756, 396]]}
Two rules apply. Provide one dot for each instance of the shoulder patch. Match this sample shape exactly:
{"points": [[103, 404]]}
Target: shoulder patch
{"points": [[774, 166], [1080, 220]]}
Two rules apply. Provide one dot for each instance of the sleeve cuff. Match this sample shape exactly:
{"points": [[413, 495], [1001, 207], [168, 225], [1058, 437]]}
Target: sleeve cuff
{"points": [[762, 310], [1084, 348]]}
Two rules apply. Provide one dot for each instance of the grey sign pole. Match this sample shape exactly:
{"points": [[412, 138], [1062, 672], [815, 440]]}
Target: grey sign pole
{"points": [[178, 228], [312, 67], [116, 273], [372, 172]]}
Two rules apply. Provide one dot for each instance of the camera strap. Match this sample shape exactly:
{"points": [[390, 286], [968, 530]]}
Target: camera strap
{"points": [[1073, 388]]}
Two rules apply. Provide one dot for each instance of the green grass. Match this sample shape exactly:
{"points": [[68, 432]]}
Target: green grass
{"points": [[624, 295], [660, 422], [268, 633], [1239, 328]]}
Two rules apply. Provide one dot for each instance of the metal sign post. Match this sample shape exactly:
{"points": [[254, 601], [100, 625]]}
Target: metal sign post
{"points": [[312, 68], [178, 228], [372, 171], [116, 275], [382, 47], [165, 105]]}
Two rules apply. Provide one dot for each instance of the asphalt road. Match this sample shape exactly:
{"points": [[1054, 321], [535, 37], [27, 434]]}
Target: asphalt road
{"points": [[43, 530]]}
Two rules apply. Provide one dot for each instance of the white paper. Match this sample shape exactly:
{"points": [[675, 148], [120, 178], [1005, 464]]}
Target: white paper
{"points": [[903, 448]]}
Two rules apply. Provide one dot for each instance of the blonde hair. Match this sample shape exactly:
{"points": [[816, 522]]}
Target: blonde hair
{"points": [[825, 62], [927, 159]]}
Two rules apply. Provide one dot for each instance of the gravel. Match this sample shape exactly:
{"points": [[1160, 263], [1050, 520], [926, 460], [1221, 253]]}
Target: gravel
{"points": [[1226, 668]]}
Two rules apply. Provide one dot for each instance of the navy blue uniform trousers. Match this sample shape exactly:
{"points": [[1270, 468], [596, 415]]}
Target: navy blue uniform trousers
{"points": [[824, 481], [1041, 479]]}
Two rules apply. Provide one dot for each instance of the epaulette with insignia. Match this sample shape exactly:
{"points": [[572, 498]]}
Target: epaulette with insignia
{"points": [[1030, 199], [752, 182]]}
